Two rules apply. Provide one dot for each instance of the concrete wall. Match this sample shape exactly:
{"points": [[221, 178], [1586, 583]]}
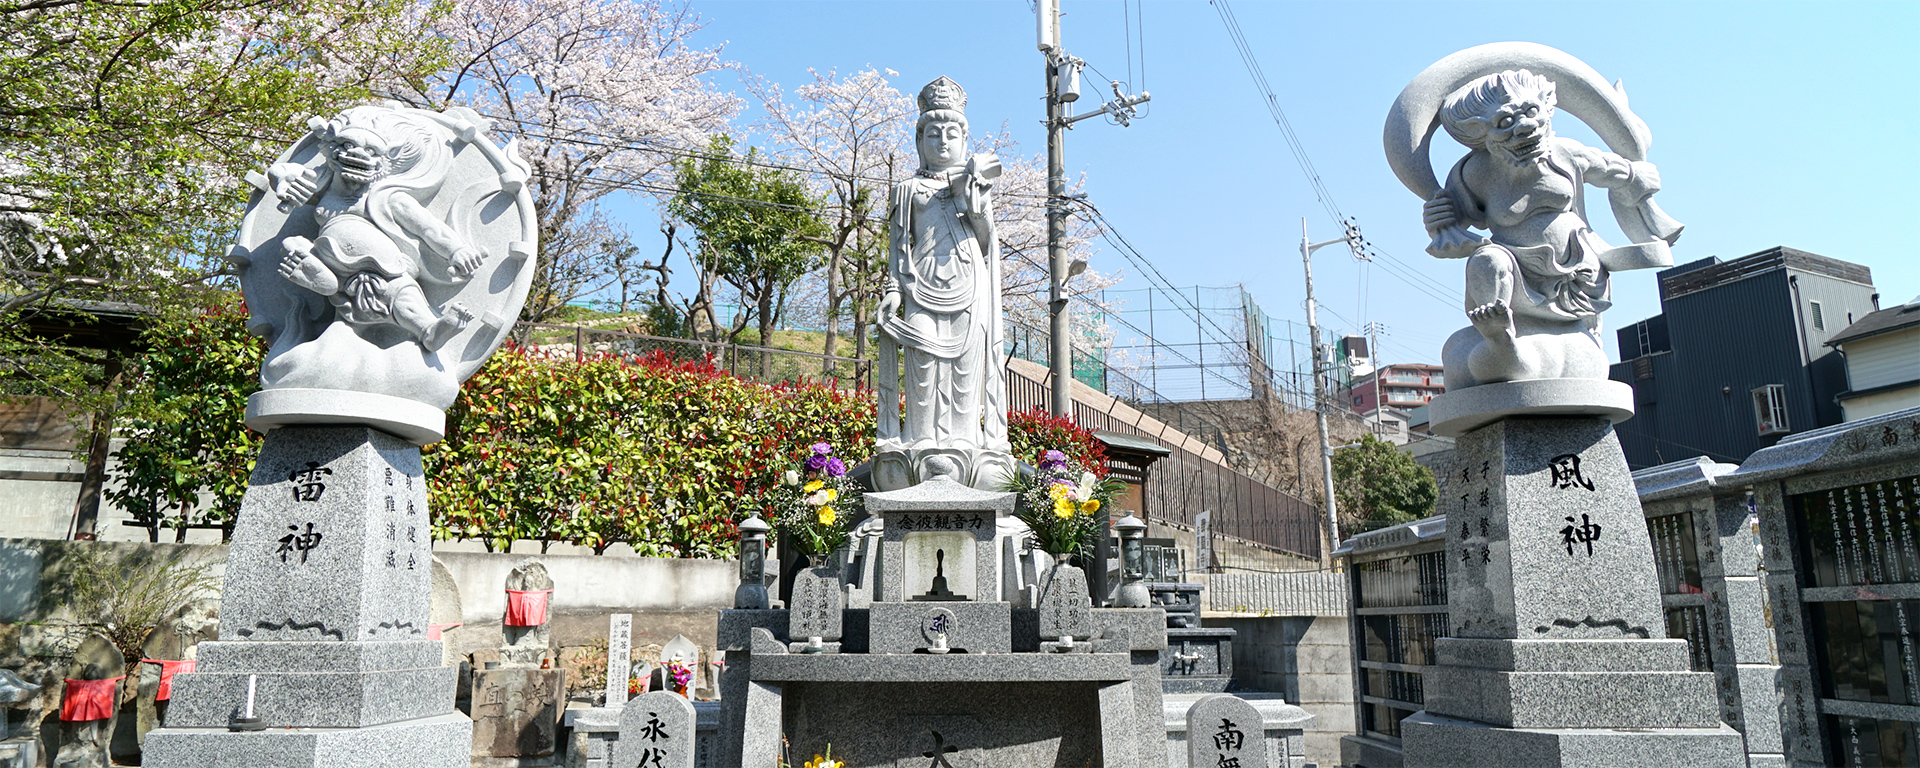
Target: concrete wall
{"points": [[1307, 659], [667, 596]]}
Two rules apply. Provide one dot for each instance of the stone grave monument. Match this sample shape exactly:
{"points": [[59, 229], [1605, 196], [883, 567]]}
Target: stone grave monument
{"points": [[20, 745], [1558, 653], [170, 649], [516, 701], [90, 705], [383, 256], [656, 729], [444, 613], [956, 645]]}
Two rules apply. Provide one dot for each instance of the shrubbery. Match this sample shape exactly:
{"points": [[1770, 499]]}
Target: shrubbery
{"points": [[662, 454], [1033, 432]]}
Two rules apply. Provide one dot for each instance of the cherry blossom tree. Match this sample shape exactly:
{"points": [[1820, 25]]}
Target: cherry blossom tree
{"points": [[603, 96], [854, 133]]}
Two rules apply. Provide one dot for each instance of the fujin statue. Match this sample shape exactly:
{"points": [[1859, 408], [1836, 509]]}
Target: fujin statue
{"points": [[383, 259], [1538, 281], [940, 316]]}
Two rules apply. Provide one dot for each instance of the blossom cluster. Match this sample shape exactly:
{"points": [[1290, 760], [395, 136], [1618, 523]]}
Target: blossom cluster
{"points": [[814, 501], [1059, 501]]}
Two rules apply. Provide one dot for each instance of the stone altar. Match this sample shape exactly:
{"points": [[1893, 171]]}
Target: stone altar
{"points": [[383, 256]]}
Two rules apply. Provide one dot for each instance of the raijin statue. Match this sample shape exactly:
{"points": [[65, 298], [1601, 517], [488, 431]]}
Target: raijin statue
{"points": [[1536, 285], [371, 248], [940, 316]]}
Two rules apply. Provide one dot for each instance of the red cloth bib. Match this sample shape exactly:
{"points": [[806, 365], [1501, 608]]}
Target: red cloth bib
{"points": [[434, 630], [169, 668], [89, 699], [528, 608]]}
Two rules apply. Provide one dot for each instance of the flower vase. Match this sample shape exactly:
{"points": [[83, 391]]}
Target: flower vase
{"points": [[814, 613]]}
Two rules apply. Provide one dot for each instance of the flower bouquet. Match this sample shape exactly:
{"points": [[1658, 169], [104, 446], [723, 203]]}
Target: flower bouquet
{"points": [[814, 503], [679, 676], [1059, 502]]}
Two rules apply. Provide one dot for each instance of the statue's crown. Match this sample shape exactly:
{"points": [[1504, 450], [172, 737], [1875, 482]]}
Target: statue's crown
{"points": [[943, 94]]}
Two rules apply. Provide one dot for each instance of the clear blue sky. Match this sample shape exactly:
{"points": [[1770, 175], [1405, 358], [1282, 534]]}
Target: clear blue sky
{"points": [[1773, 123]]}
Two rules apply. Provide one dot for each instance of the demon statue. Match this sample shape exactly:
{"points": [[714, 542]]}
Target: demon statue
{"points": [[940, 347], [383, 258], [1537, 282]]}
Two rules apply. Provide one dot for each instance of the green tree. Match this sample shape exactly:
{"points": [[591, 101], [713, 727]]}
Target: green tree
{"points": [[758, 229], [126, 129], [1377, 484], [188, 453]]}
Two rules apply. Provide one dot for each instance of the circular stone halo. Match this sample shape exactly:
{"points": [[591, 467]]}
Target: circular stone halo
{"points": [[1578, 89], [1456, 413]]}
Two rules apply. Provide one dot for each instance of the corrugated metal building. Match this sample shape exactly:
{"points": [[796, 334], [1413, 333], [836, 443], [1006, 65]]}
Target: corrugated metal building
{"points": [[1738, 357]]}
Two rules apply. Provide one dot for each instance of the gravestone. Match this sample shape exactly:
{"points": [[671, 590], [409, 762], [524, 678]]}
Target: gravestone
{"points": [[91, 704], [444, 612], [656, 731], [529, 641], [619, 657], [1066, 613], [1225, 730], [170, 649], [516, 706], [813, 621], [682, 652]]}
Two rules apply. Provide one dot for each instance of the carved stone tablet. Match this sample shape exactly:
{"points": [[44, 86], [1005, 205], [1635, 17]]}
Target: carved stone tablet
{"points": [[656, 730], [1224, 729]]}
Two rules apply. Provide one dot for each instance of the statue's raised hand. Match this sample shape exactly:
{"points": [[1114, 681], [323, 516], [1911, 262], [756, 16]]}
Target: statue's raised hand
{"points": [[1451, 240], [293, 183]]}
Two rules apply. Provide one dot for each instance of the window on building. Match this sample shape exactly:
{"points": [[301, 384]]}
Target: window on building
{"points": [[1770, 409], [1819, 319]]}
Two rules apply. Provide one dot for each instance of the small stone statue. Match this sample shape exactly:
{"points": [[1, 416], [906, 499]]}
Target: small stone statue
{"points": [[383, 259], [1536, 285], [529, 641], [940, 314]]}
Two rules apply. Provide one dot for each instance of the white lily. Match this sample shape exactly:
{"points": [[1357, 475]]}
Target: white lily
{"points": [[1083, 490]]}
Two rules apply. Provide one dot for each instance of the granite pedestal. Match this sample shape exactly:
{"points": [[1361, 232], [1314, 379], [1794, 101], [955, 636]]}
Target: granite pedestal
{"points": [[1558, 655], [325, 607]]}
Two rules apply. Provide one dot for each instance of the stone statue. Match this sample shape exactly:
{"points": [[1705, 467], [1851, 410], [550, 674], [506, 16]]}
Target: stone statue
{"points": [[940, 316], [1537, 283], [384, 257]]}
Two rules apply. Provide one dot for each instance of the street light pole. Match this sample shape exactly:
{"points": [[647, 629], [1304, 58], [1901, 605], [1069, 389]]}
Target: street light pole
{"points": [[1319, 389]]}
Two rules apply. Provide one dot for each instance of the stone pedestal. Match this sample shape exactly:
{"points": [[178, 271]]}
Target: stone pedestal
{"points": [[325, 606], [1197, 660], [1558, 654], [516, 712]]}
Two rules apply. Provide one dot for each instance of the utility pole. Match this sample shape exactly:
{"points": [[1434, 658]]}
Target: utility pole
{"points": [[1319, 386], [1373, 356], [1063, 88]]}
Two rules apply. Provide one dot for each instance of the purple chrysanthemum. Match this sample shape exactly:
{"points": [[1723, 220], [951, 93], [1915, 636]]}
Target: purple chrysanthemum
{"points": [[835, 467], [823, 449], [816, 462]]}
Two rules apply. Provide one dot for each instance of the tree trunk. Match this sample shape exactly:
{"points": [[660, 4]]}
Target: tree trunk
{"points": [[833, 311]]}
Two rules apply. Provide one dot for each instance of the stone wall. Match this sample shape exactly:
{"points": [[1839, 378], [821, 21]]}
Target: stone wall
{"points": [[1307, 659]]}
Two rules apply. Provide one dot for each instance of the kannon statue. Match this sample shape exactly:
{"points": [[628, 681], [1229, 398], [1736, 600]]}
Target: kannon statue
{"points": [[941, 376]]}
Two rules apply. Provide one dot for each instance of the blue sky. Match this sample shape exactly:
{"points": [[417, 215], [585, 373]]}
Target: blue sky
{"points": [[1773, 124]]}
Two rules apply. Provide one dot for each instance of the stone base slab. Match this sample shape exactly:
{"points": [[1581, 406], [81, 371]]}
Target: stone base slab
{"points": [[1461, 411], [433, 742], [1205, 684], [263, 656], [1573, 699], [1433, 741], [317, 699], [1661, 655], [410, 420]]}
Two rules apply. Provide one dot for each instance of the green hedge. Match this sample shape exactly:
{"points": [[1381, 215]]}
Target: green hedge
{"points": [[662, 454]]}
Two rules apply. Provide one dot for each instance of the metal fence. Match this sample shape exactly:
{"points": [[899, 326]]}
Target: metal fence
{"points": [[748, 362], [1185, 484]]}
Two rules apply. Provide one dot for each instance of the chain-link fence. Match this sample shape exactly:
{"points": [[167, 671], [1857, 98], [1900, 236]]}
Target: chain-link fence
{"points": [[748, 362]]}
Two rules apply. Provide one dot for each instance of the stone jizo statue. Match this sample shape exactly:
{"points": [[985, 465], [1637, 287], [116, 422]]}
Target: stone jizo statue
{"points": [[940, 315], [1538, 281], [383, 258]]}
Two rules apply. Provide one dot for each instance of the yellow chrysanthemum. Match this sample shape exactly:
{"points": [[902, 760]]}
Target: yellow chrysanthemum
{"points": [[1062, 509], [1090, 506], [833, 495], [827, 516], [1057, 491], [815, 485], [824, 762]]}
